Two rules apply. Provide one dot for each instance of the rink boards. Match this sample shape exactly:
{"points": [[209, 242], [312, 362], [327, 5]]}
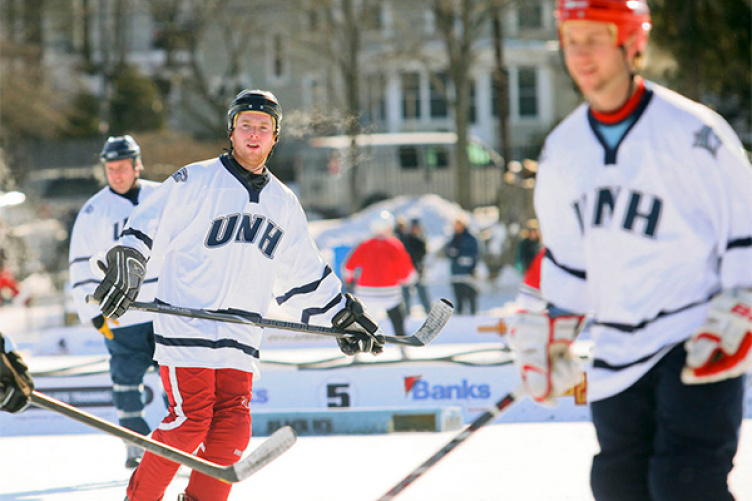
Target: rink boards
{"points": [[378, 396]]}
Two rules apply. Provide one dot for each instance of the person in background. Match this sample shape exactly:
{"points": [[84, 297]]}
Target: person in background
{"points": [[16, 383], [232, 236], [377, 268], [99, 226], [529, 246], [414, 240], [643, 199], [463, 252]]}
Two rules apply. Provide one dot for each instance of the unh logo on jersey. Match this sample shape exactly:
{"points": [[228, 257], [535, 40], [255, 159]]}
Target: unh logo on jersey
{"points": [[245, 229], [640, 214]]}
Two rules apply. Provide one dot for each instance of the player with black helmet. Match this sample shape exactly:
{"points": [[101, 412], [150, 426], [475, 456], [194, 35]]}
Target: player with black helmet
{"points": [[233, 236], [98, 226], [643, 200]]}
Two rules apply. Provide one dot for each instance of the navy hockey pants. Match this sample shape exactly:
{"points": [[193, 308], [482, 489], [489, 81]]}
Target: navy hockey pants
{"points": [[662, 440], [131, 355]]}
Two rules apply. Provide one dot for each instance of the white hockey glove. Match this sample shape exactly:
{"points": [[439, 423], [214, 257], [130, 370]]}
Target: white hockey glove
{"points": [[123, 276], [542, 355], [722, 347], [353, 317]]}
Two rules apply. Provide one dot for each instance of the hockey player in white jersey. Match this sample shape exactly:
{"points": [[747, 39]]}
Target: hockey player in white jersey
{"points": [[98, 226], [232, 236], [645, 206]]}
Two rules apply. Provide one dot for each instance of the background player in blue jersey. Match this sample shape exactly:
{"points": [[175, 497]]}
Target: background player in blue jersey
{"points": [[643, 199], [98, 226], [231, 235]]}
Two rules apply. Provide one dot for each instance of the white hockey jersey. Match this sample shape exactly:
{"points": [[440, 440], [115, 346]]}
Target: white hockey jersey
{"points": [[226, 245], [97, 228], [642, 234]]}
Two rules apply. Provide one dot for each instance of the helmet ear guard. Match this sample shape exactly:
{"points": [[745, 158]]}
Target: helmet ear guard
{"points": [[630, 17], [255, 100]]}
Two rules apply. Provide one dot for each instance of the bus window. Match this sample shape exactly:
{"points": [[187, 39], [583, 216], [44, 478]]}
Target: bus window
{"points": [[437, 157], [408, 157]]}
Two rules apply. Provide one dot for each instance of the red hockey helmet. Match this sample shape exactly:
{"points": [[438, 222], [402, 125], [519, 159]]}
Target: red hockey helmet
{"points": [[631, 17]]}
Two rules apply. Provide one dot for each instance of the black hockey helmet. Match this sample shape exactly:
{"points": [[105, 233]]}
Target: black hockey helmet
{"points": [[120, 148], [255, 100]]}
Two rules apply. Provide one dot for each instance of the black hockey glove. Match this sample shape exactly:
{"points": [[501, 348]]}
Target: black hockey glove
{"points": [[354, 318], [15, 382], [124, 274]]}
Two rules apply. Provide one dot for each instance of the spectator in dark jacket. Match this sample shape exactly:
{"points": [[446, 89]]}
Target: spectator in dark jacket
{"points": [[415, 243], [463, 252]]}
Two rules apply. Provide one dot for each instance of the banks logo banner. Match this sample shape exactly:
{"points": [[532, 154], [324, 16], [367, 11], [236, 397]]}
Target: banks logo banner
{"points": [[417, 388]]}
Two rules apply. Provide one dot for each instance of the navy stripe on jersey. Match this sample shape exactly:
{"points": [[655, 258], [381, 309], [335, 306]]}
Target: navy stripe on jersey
{"points": [[79, 260], [85, 282], [602, 364], [577, 273], [139, 235], [304, 289], [635, 327], [309, 312], [739, 242], [206, 343]]}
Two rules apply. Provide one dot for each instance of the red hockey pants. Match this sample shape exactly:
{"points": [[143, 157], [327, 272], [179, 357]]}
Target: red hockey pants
{"points": [[209, 411]]}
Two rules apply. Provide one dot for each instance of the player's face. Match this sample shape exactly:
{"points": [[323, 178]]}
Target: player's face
{"points": [[252, 139], [595, 63], [121, 175]]}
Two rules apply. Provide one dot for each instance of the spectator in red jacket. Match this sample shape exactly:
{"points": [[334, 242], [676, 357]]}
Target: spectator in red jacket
{"points": [[8, 285], [377, 268]]}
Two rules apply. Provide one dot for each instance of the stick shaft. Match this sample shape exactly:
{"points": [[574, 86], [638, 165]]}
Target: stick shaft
{"points": [[480, 421], [166, 451]]}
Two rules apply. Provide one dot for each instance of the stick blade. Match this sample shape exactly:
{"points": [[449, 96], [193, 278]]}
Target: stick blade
{"points": [[438, 316], [273, 447]]}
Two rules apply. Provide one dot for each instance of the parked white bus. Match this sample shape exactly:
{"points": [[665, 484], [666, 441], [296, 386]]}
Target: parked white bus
{"points": [[412, 163]]}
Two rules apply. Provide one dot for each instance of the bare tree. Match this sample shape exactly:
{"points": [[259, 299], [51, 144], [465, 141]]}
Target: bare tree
{"points": [[334, 33]]}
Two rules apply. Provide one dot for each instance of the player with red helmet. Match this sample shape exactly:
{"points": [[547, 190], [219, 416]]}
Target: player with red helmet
{"points": [[643, 202]]}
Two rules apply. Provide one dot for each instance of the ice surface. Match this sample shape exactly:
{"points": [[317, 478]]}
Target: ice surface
{"points": [[511, 462]]}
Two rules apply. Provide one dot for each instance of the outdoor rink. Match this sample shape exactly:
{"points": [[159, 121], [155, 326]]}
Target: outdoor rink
{"points": [[514, 462]]}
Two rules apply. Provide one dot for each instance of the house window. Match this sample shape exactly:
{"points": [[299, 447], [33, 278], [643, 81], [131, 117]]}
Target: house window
{"points": [[527, 84], [530, 15], [375, 106], [371, 17], [439, 85], [410, 96]]}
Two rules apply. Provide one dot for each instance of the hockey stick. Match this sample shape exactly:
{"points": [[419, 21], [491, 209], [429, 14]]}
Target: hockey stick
{"points": [[510, 398], [437, 317], [268, 451]]}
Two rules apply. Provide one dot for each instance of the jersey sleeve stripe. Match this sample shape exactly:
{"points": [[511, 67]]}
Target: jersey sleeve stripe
{"points": [[577, 273], [85, 282], [79, 260], [139, 235], [304, 289], [739, 242], [309, 312]]}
